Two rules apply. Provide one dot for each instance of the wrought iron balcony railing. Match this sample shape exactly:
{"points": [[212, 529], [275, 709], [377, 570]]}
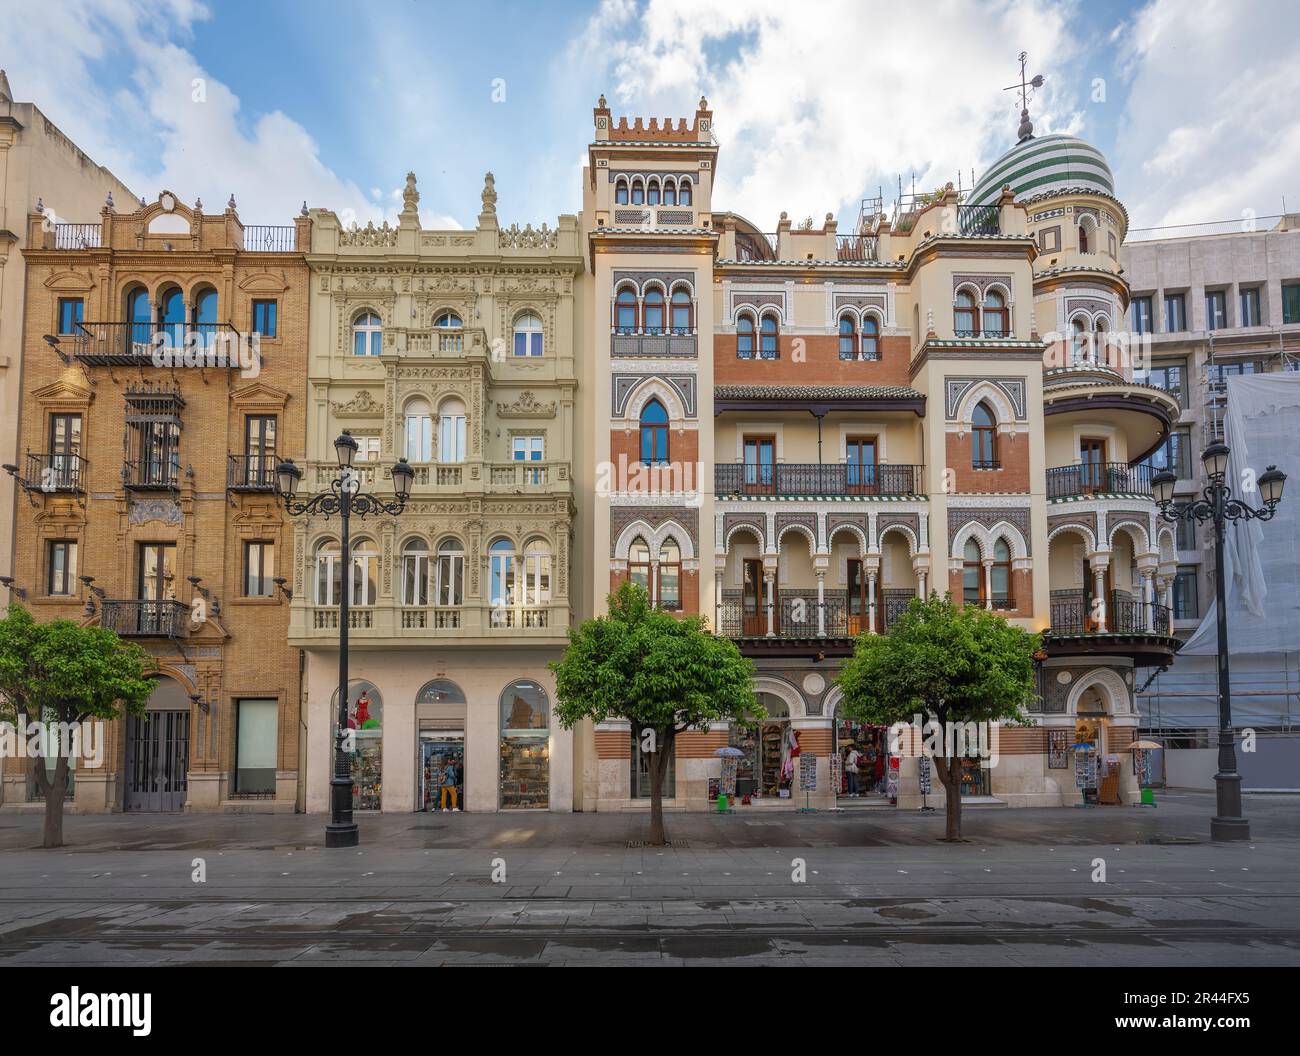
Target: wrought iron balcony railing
{"points": [[1078, 614], [56, 473], [263, 239], [251, 472], [151, 474], [840, 479], [1099, 478], [138, 344], [145, 619]]}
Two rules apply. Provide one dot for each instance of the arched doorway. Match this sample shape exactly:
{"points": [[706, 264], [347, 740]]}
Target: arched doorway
{"points": [[366, 729], [440, 714], [158, 750]]}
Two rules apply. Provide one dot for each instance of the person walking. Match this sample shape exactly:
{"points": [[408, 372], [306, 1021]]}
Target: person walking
{"points": [[450, 779], [851, 769]]}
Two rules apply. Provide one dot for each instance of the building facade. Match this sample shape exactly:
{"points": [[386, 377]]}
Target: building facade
{"points": [[39, 168], [164, 354], [805, 429], [457, 351]]}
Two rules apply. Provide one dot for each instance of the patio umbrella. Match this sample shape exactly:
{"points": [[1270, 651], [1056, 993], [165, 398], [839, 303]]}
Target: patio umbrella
{"points": [[727, 785], [1144, 746]]}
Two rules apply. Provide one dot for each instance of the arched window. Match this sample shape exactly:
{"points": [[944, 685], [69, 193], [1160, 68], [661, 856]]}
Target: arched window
{"points": [[448, 321], [654, 434], [1079, 341], [329, 573], [1001, 576], [449, 582], [870, 337], [419, 432], [415, 573], [528, 334], [670, 191], [965, 316], [537, 577], [995, 314], [451, 431], [638, 563], [525, 749], [744, 337], [681, 309], [652, 191], [365, 573], [625, 311], [767, 335], [139, 312], [1083, 239], [638, 192], [669, 591], [173, 317], [501, 580], [972, 574], [367, 335], [204, 315], [620, 191], [984, 435], [653, 310], [848, 337], [684, 191]]}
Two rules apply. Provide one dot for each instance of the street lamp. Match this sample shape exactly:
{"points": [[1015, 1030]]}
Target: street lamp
{"points": [[345, 498], [1218, 506]]}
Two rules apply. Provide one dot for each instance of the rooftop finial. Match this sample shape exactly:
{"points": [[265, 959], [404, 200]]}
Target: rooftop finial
{"points": [[1026, 130]]}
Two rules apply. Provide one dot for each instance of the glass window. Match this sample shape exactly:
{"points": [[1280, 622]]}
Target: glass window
{"points": [[1185, 603], [537, 574], [365, 573], [1175, 313], [641, 772], [366, 720], [638, 563], [1291, 302], [448, 321], [669, 594], [525, 746], [638, 192], [173, 317], [1143, 321], [965, 319], [501, 570], [367, 448], [972, 574], [259, 569], [848, 338], [329, 574], [681, 309], [264, 318], [670, 192], [1185, 534], [528, 335], [870, 338], [653, 311], [684, 191], [620, 192], [1174, 454], [449, 588], [257, 726], [1001, 573], [652, 192], [1172, 378], [62, 563], [983, 438], [451, 432], [1249, 304], [367, 335], [419, 432], [767, 337], [415, 573], [70, 313], [744, 337], [654, 434], [995, 314], [625, 311], [1216, 310], [140, 313]]}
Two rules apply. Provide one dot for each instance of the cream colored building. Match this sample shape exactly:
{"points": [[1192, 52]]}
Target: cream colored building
{"points": [[39, 168], [457, 350]]}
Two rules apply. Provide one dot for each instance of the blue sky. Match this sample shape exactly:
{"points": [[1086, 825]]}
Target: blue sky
{"points": [[814, 107]]}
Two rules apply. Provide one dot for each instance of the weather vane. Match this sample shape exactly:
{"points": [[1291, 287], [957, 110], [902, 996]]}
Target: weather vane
{"points": [[1036, 81]]}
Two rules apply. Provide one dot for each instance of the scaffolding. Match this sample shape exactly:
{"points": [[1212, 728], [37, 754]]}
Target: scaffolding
{"points": [[1274, 354]]}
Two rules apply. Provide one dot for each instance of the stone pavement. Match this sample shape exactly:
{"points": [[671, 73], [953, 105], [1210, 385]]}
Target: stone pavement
{"points": [[861, 888]]}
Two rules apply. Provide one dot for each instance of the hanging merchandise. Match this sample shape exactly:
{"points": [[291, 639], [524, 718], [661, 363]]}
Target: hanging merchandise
{"points": [[923, 768]]}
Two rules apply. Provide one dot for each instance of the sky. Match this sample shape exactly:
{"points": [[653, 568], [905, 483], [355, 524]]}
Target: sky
{"points": [[816, 104]]}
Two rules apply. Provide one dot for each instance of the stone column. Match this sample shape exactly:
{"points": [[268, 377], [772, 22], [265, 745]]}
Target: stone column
{"points": [[821, 602], [769, 587], [1099, 592], [988, 582], [871, 599]]}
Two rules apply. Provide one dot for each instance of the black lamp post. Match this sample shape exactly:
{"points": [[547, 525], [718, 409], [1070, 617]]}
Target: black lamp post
{"points": [[1218, 506], [345, 498]]}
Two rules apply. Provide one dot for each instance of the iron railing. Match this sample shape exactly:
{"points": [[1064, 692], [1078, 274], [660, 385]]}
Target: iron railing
{"points": [[260, 238], [151, 474], [837, 478], [797, 618], [1099, 478], [1123, 614], [977, 219], [856, 247], [57, 472], [145, 619], [137, 344], [78, 236], [251, 472]]}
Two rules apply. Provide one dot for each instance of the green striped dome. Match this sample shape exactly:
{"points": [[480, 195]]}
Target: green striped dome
{"points": [[1042, 164]]}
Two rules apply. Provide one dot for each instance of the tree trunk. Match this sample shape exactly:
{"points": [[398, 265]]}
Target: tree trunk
{"points": [[658, 837], [54, 792], [949, 771]]}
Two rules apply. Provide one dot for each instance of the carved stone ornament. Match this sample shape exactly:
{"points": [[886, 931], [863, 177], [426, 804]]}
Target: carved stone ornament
{"points": [[362, 405], [527, 406]]}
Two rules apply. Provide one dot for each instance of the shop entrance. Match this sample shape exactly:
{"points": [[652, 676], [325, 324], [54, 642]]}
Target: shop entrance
{"points": [[442, 770], [766, 769], [871, 744], [158, 750]]}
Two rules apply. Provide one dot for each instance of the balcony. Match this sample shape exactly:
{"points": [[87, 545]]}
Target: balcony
{"points": [[1124, 625], [494, 478], [151, 474], [818, 480], [666, 344], [250, 473], [977, 220], [378, 626], [260, 238], [1098, 478], [57, 473], [145, 619], [142, 344]]}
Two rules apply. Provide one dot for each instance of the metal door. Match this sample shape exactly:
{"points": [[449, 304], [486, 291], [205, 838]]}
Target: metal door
{"points": [[157, 758]]}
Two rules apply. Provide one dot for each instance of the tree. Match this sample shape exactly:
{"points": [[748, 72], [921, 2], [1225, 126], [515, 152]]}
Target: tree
{"points": [[951, 663], [61, 672], [662, 673]]}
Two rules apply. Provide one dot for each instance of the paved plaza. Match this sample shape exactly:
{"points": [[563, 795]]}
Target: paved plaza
{"points": [[862, 887]]}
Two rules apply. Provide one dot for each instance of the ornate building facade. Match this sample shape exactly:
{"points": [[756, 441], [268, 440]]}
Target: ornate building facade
{"points": [[804, 429], [164, 354], [457, 351]]}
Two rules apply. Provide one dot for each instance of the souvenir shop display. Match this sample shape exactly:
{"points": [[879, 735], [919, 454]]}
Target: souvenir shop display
{"points": [[524, 773], [746, 741], [974, 778], [366, 760], [442, 773], [770, 750]]}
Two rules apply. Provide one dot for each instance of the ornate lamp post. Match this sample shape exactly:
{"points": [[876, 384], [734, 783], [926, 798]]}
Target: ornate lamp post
{"points": [[345, 498], [1218, 506]]}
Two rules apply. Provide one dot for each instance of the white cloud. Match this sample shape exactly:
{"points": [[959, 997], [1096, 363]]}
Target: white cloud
{"points": [[1210, 130], [816, 106]]}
